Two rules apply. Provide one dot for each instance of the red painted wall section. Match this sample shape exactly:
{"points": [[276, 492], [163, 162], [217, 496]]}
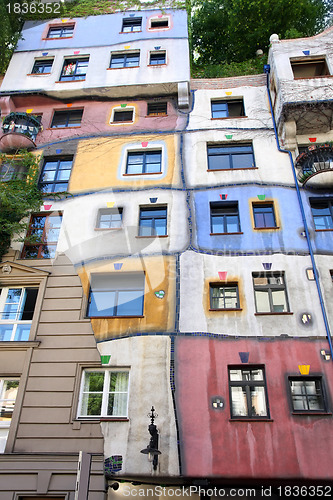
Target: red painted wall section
{"points": [[96, 117], [288, 446]]}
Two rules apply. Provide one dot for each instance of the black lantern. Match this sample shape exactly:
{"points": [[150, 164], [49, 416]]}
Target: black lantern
{"points": [[152, 449]]}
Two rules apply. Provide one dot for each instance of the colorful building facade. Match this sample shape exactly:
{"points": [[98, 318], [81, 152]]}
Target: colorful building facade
{"points": [[179, 271]]}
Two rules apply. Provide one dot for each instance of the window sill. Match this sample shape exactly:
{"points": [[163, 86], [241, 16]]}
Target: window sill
{"points": [[156, 116], [62, 128], [322, 230], [114, 419], [312, 413], [108, 228], [157, 65], [123, 67], [245, 419], [219, 234], [230, 117], [266, 228], [58, 38], [230, 169], [113, 317], [71, 81], [274, 314], [129, 32], [143, 173], [18, 344], [38, 74], [121, 122], [227, 309], [154, 236]]}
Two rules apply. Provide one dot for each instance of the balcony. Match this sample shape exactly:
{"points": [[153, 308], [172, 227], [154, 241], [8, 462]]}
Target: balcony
{"points": [[315, 166], [20, 131]]}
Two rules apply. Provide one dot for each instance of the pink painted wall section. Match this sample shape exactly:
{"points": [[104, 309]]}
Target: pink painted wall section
{"points": [[96, 116], [288, 446]]}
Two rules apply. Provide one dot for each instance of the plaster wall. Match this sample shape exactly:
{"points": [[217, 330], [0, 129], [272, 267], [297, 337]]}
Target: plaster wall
{"points": [[148, 360], [199, 270], [101, 163], [98, 75], [257, 115], [271, 166], [287, 236], [158, 313], [82, 241], [213, 445]]}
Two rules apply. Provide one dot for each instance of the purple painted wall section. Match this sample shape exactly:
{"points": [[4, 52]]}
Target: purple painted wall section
{"points": [[96, 117], [287, 446]]}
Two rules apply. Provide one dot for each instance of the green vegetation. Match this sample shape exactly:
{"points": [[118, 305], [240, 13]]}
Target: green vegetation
{"points": [[19, 195]]}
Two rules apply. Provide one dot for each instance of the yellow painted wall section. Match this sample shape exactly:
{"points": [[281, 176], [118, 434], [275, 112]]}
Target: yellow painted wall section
{"points": [[100, 163], [158, 314]]}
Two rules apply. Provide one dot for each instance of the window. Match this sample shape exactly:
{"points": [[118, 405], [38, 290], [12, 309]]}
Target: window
{"points": [[307, 394], [116, 295], [264, 216], [42, 66], [110, 218], [223, 296], [64, 31], [322, 212], [123, 116], [43, 234], [157, 58], [227, 108], [153, 221], [17, 307], [8, 393], [310, 68], [147, 162], [12, 171], [225, 157], [64, 119], [127, 60], [74, 69], [224, 217], [157, 109], [55, 174], [104, 393], [248, 393], [270, 293], [159, 23], [131, 24]]}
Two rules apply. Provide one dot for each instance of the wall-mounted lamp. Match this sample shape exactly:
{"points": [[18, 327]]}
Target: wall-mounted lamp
{"points": [[152, 449]]}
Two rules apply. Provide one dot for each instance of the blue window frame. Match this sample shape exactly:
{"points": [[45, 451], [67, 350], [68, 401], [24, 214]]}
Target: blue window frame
{"points": [[65, 31], [153, 221], [264, 216], [157, 58], [55, 174], [226, 157], [125, 60], [74, 69], [224, 217], [116, 295], [131, 24], [227, 108], [147, 162], [322, 212], [42, 66]]}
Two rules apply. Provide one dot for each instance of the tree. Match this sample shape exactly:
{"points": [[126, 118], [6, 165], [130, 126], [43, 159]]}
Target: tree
{"points": [[232, 30]]}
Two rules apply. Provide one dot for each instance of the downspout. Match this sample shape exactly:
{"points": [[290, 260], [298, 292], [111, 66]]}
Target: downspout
{"points": [[300, 202]]}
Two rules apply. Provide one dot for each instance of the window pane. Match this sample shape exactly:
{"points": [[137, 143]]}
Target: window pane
{"points": [[262, 301], [219, 162], [130, 303], [231, 297], [7, 399], [102, 303], [258, 402], [13, 299], [279, 301], [146, 227], [232, 224], [28, 305], [6, 332], [218, 224], [242, 161], [93, 382], [117, 406], [239, 402], [91, 404], [22, 333], [118, 381]]}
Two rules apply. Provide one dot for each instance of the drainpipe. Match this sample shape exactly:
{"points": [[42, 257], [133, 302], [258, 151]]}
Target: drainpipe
{"points": [[300, 202]]}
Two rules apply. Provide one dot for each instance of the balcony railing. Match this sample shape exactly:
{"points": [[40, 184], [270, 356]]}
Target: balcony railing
{"points": [[316, 160], [20, 131]]}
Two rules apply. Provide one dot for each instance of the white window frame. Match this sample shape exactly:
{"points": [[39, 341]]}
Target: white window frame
{"points": [[4, 425], [105, 395], [15, 322], [119, 108]]}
